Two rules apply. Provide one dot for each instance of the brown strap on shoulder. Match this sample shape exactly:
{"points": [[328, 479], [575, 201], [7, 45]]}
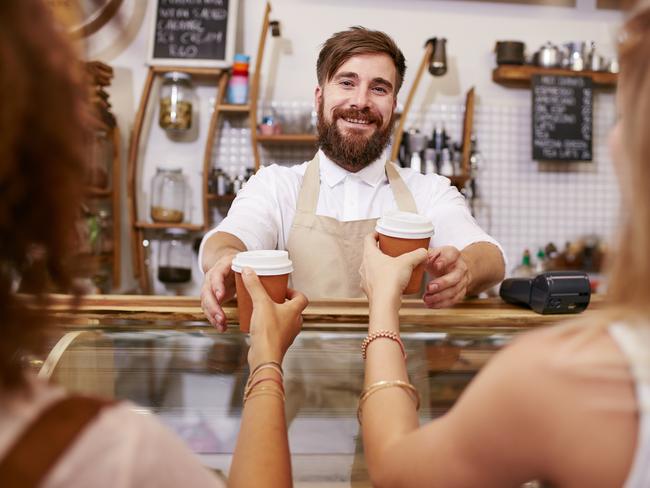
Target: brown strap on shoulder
{"points": [[46, 439]]}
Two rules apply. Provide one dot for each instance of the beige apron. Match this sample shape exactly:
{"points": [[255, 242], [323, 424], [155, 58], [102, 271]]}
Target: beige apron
{"points": [[324, 374], [325, 252]]}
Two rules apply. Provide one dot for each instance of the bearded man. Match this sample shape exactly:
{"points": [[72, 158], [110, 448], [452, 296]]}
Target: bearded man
{"points": [[321, 210]]}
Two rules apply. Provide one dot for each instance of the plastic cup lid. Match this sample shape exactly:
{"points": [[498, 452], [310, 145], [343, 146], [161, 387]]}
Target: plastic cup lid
{"points": [[404, 225], [265, 263]]}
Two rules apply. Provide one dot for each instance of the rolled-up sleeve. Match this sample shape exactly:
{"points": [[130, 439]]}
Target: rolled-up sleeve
{"points": [[254, 215], [452, 220]]}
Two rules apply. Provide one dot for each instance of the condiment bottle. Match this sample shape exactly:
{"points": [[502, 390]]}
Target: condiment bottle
{"points": [[446, 166], [238, 83], [524, 270]]}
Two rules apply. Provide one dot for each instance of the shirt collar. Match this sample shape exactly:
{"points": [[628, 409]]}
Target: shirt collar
{"points": [[333, 174]]}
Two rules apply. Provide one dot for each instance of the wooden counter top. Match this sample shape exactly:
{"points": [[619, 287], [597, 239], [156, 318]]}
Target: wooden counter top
{"points": [[345, 314]]}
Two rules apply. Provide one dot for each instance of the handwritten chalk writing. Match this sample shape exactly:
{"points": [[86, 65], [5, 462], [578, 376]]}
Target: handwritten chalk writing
{"points": [[191, 29], [562, 109]]}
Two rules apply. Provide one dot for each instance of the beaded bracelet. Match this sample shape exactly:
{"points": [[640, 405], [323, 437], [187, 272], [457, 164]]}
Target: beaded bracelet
{"points": [[380, 385], [381, 334]]}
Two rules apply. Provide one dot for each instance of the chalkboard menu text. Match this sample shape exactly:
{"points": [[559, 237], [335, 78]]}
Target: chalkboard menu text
{"points": [[194, 33], [562, 118]]}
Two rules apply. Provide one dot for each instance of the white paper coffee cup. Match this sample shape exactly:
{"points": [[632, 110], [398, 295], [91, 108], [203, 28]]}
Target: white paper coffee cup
{"points": [[264, 263], [404, 225]]}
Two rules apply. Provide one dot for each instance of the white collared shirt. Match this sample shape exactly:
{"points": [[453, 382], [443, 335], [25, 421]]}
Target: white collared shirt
{"points": [[262, 214]]}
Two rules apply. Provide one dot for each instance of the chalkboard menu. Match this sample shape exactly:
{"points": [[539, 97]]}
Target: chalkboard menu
{"points": [[562, 118], [193, 33]]}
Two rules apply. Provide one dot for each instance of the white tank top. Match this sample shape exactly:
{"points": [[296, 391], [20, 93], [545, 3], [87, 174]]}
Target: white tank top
{"points": [[634, 341]]}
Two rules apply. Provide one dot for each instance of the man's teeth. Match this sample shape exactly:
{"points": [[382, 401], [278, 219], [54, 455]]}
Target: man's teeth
{"points": [[357, 121]]}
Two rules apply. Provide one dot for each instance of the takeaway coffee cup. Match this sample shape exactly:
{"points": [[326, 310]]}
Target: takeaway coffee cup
{"points": [[402, 232], [273, 269]]}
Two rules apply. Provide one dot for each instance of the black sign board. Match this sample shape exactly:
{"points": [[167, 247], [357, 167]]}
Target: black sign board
{"points": [[562, 118], [193, 33]]}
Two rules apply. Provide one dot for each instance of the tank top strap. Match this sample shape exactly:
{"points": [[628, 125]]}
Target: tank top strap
{"points": [[46, 440]]}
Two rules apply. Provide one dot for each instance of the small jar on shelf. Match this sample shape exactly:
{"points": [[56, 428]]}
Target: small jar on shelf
{"points": [[168, 190], [175, 257], [176, 97]]}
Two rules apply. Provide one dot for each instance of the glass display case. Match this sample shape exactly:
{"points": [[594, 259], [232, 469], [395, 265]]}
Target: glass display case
{"points": [[192, 378]]}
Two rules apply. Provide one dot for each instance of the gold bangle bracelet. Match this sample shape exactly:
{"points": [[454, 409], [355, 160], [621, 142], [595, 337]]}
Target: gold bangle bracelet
{"points": [[381, 385], [268, 363], [250, 392], [269, 392], [261, 367], [250, 387]]}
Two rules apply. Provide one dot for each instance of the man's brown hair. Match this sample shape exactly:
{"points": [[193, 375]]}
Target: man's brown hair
{"points": [[353, 42]]}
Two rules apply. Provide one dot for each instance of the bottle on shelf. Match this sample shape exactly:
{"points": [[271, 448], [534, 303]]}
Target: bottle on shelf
{"points": [[429, 161], [239, 181], [176, 97], [175, 257], [416, 162], [524, 270], [238, 84], [446, 166], [168, 191], [540, 263]]}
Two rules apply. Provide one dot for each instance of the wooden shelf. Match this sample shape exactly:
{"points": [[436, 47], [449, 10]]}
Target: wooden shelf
{"points": [[230, 107], [221, 198], [195, 71], [92, 192], [519, 76], [287, 138], [459, 181], [159, 226]]}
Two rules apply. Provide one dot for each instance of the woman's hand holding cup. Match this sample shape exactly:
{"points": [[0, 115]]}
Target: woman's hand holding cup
{"points": [[384, 277], [273, 326]]}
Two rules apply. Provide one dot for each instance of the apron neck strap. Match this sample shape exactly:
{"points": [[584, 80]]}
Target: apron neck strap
{"points": [[308, 196], [402, 194]]}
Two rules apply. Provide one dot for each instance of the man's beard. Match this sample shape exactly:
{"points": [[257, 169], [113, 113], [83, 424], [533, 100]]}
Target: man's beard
{"points": [[355, 150]]}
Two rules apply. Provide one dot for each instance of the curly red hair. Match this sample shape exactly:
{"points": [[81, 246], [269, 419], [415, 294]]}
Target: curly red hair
{"points": [[42, 166]]}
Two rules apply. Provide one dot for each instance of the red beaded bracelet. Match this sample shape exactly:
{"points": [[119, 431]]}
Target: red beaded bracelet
{"points": [[381, 334]]}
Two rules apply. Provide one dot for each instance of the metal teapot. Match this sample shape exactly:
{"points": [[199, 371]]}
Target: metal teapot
{"points": [[549, 56]]}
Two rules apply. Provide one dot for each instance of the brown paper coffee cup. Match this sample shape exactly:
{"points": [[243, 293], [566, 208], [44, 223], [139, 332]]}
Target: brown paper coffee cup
{"points": [[396, 246], [402, 232], [272, 268], [275, 286]]}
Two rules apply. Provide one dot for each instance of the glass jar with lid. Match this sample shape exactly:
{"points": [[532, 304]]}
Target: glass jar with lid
{"points": [[176, 97], [175, 257], [168, 190]]}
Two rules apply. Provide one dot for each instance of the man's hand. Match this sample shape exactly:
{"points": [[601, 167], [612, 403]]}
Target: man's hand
{"points": [[218, 287], [451, 277]]}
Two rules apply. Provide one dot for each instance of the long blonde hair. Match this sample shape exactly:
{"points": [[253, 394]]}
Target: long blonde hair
{"points": [[630, 271], [628, 294]]}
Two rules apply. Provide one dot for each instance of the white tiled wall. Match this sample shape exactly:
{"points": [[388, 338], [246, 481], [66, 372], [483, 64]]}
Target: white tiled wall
{"points": [[522, 203]]}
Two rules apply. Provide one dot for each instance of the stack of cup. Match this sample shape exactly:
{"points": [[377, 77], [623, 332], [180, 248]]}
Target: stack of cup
{"points": [[273, 269], [402, 232]]}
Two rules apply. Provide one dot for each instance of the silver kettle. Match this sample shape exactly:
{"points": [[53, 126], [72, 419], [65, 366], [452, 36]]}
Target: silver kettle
{"points": [[549, 56]]}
